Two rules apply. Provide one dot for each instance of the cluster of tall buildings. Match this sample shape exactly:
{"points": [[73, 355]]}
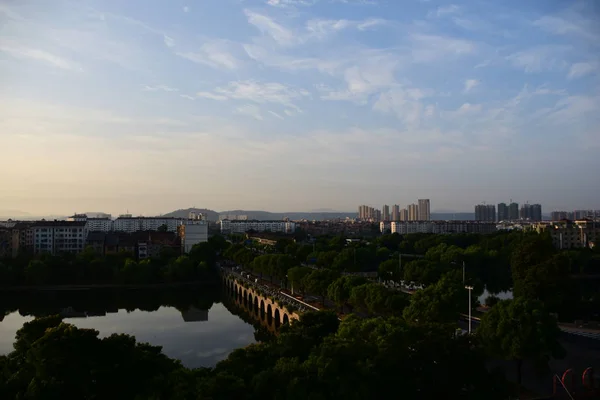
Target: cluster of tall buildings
{"points": [[575, 215], [413, 212], [508, 212]]}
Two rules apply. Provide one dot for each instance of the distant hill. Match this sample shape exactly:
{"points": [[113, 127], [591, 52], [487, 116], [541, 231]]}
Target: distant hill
{"points": [[184, 213]]}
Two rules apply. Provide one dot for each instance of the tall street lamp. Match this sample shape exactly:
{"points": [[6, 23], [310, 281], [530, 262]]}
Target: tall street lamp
{"points": [[469, 288]]}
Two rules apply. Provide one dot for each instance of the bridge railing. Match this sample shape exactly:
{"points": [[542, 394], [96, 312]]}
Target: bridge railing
{"points": [[276, 295]]}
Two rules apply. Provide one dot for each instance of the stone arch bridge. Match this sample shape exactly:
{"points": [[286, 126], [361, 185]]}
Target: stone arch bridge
{"points": [[263, 306]]}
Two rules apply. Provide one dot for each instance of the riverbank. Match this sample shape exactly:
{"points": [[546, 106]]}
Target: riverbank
{"points": [[105, 286]]}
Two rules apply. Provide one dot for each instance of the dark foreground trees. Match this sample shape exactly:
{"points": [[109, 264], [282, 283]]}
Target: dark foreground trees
{"points": [[315, 358], [520, 330]]}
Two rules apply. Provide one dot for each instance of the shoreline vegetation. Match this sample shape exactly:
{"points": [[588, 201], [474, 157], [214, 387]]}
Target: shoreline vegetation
{"points": [[30, 288]]}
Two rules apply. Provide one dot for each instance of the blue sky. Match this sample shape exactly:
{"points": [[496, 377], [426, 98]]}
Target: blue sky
{"points": [[285, 105]]}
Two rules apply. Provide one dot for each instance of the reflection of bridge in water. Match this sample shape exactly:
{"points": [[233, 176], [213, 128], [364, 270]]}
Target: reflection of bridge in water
{"points": [[259, 306]]}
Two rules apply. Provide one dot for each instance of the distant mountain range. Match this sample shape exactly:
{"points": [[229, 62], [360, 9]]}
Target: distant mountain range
{"points": [[297, 215]]}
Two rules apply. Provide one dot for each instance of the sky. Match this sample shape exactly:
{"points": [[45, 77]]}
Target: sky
{"points": [[148, 106]]}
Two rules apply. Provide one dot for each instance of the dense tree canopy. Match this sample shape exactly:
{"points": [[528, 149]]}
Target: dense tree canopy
{"points": [[520, 330], [90, 267], [315, 358]]}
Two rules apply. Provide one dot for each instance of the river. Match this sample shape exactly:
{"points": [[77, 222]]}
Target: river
{"points": [[200, 327]]}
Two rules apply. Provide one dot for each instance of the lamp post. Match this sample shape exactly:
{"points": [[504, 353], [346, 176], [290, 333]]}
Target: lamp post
{"points": [[469, 288]]}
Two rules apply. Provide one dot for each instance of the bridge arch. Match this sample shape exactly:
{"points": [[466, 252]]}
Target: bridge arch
{"points": [[264, 307], [269, 314], [277, 317]]}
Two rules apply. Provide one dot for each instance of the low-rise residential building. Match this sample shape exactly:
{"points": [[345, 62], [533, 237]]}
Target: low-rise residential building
{"points": [[55, 237], [128, 223], [568, 234], [5, 243], [139, 244], [406, 227], [237, 226]]}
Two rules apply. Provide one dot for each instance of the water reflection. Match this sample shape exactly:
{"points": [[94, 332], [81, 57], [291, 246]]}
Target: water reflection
{"points": [[253, 311], [194, 325]]}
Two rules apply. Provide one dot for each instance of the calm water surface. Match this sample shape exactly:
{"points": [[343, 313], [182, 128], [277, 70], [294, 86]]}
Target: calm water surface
{"points": [[198, 329]]}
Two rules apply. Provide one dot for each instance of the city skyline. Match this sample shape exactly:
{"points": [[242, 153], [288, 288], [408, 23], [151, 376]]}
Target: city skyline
{"points": [[297, 105]]}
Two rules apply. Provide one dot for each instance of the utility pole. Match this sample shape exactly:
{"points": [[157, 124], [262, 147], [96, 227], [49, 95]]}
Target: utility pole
{"points": [[469, 288], [463, 272]]}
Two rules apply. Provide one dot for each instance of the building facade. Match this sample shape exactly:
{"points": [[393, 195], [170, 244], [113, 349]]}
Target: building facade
{"points": [[531, 212], [559, 215], [193, 232], [407, 227], [513, 211], [55, 237], [424, 210], [571, 234], [385, 213], [228, 226], [485, 212], [502, 212], [413, 212], [128, 223], [395, 212], [404, 214]]}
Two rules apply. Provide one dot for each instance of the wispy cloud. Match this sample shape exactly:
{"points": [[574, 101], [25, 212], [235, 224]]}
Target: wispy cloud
{"points": [[470, 84], [444, 11], [427, 48], [582, 69], [163, 88], [250, 110], [536, 59], [273, 113], [405, 104], [570, 23], [269, 27], [321, 28], [24, 52], [270, 92], [212, 96], [186, 9], [214, 53]]}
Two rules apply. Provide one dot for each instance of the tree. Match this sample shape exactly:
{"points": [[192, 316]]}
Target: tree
{"points": [[37, 272], [339, 290], [439, 303], [519, 330], [163, 228], [318, 281], [541, 274], [492, 300], [296, 276], [389, 270]]}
